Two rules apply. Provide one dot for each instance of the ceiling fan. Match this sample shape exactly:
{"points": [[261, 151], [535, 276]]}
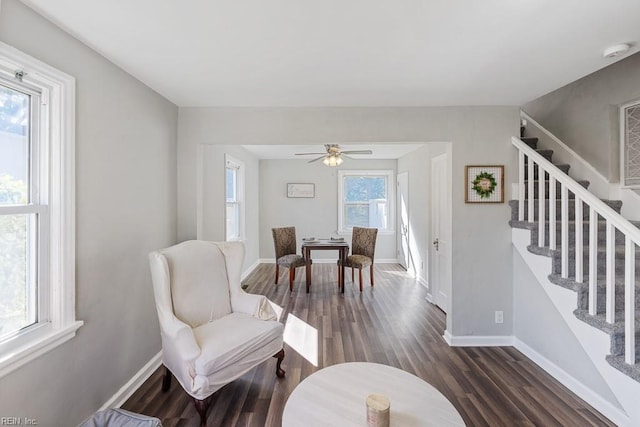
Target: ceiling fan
{"points": [[334, 155]]}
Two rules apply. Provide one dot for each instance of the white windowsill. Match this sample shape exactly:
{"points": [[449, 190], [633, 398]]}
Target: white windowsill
{"points": [[37, 347]]}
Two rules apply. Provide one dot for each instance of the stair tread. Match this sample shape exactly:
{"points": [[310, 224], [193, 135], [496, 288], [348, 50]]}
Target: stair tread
{"points": [[619, 363], [599, 320], [600, 281]]}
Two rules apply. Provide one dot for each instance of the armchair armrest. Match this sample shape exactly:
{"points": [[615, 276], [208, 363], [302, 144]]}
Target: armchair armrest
{"points": [[258, 306], [179, 336]]}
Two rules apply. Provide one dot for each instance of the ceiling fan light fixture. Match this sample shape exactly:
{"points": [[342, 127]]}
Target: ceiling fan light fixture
{"points": [[333, 160]]}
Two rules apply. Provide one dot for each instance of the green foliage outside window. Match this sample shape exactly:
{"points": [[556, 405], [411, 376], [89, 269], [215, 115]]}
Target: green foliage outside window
{"points": [[13, 259]]}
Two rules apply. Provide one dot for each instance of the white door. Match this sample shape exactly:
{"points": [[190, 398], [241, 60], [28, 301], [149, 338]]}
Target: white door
{"points": [[440, 232], [402, 196]]}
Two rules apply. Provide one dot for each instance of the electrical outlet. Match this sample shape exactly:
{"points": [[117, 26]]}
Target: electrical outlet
{"points": [[499, 316]]}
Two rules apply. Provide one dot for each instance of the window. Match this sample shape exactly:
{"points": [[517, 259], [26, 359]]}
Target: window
{"points": [[366, 199], [37, 269], [234, 190], [630, 144]]}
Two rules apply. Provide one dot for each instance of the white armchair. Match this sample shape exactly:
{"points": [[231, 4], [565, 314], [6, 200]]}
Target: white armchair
{"points": [[212, 331]]}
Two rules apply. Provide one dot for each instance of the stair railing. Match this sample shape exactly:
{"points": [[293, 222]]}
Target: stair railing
{"points": [[596, 207]]}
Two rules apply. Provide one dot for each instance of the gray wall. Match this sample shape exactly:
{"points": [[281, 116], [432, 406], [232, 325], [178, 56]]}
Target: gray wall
{"points": [[480, 135], [584, 114], [418, 166], [538, 324], [312, 217], [126, 207]]}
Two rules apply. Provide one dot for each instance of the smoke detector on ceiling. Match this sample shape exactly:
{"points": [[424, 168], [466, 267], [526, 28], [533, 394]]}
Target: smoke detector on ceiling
{"points": [[613, 51]]}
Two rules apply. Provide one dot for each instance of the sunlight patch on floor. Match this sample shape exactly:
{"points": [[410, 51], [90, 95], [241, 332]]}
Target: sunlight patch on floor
{"points": [[302, 337]]}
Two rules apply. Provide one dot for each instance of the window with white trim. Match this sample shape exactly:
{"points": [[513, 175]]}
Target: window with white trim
{"points": [[630, 144], [37, 248], [234, 193], [365, 199]]}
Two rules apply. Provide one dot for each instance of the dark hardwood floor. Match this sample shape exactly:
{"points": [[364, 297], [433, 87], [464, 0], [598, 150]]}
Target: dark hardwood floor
{"points": [[391, 324]]}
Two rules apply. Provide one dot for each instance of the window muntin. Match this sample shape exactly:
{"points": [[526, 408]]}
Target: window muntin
{"points": [[366, 200]]}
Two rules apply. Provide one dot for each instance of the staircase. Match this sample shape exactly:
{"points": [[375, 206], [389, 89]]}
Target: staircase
{"points": [[578, 265]]}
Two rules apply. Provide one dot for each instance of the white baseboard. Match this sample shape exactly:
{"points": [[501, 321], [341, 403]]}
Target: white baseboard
{"points": [[249, 270], [423, 282], [478, 341], [134, 383], [608, 410]]}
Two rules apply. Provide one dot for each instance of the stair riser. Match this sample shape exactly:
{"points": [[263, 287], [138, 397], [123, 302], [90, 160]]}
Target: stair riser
{"points": [[532, 142], [617, 345], [536, 190], [601, 236], [571, 206], [601, 262], [547, 154], [562, 166], [583, 302]]}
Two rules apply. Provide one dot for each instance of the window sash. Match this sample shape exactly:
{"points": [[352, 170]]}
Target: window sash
{"points": [[232, 187], [386, 216], [36, 233], [234, 194]]}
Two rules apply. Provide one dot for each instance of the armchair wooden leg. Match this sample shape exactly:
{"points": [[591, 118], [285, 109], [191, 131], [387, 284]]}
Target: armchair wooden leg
{"points": [[352, 276], [371, 273], [280, 356], [292, 277], [202, 406], [166, 379], [360, 277], [277, 273]]}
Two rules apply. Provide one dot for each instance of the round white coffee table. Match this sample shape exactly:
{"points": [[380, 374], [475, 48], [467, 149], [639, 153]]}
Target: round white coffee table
{"points": [[336, 395]]}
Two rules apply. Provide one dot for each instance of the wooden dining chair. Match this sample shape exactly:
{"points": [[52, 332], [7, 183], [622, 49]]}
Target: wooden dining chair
{"points": [[363, 248], [285, 243]]}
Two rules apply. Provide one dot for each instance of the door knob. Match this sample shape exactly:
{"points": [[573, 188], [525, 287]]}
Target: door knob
{"points": [[436, 243]]}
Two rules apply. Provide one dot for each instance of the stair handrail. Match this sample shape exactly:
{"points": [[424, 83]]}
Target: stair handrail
{"points": [[564, 147], [604, 210], [614, 221]]}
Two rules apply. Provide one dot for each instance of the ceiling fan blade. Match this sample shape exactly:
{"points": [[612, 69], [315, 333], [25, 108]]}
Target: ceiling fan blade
{"points": [[304, 154], [357, 152], [316, 159]]}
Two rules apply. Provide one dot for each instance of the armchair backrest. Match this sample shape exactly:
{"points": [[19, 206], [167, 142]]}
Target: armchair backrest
{"points": [[284, 241], [195, 273], [363, 241]]}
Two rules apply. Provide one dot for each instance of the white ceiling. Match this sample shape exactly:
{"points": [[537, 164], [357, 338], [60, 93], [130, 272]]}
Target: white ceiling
{"points": [[351, 52]]}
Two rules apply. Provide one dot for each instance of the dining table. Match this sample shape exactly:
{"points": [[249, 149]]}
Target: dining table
{"points": [[310, 245]]}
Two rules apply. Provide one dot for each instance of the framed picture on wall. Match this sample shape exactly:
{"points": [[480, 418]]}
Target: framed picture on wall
{"points": [[484, 184], [296, 190]]}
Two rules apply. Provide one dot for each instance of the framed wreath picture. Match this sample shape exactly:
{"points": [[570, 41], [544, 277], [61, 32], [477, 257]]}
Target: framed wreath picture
{"points": [[484, 184]]}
